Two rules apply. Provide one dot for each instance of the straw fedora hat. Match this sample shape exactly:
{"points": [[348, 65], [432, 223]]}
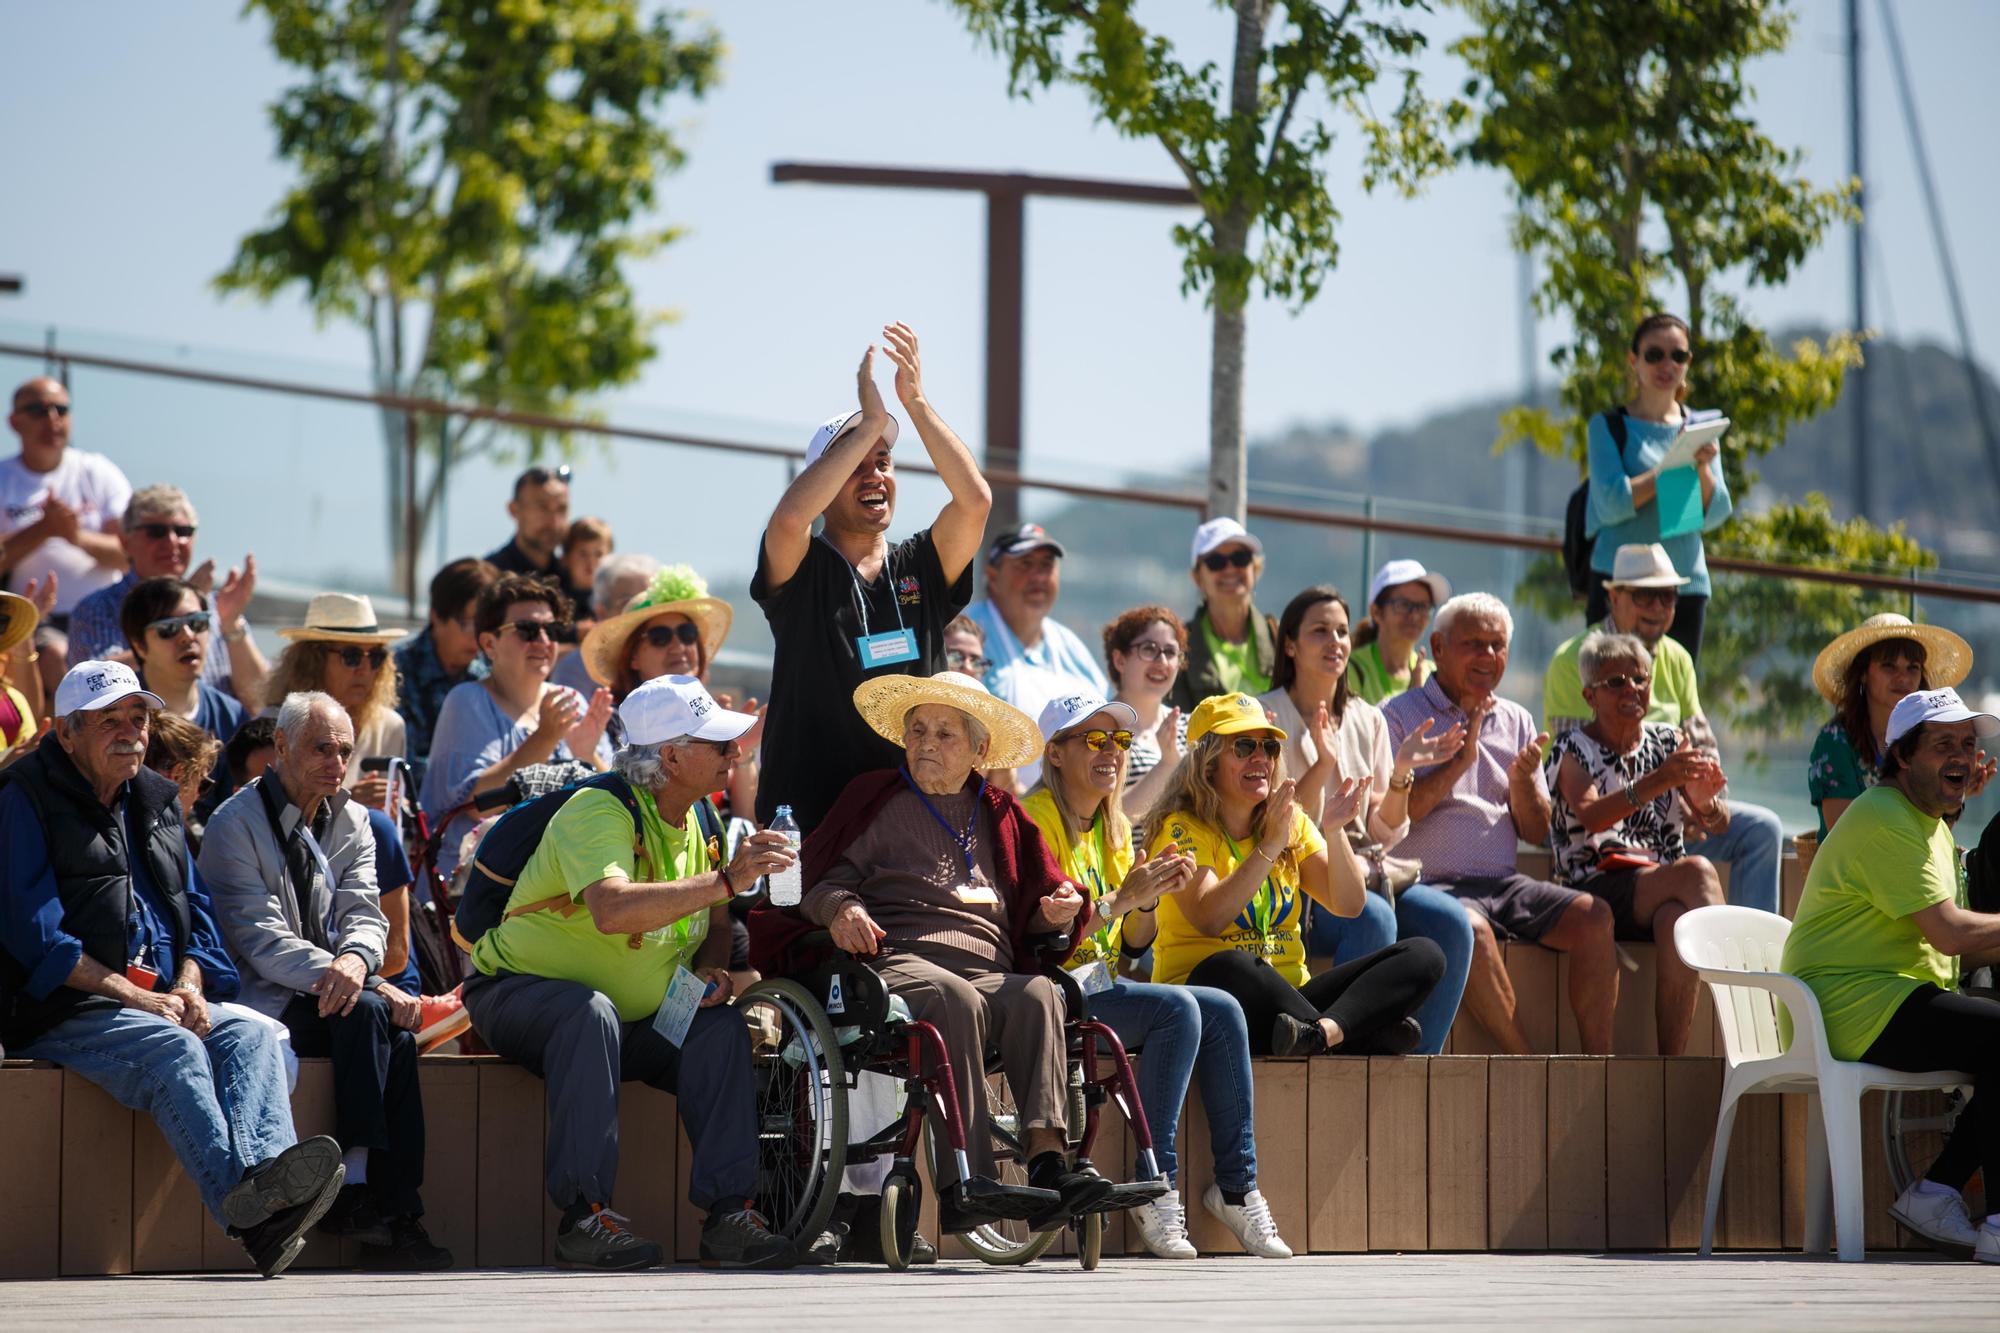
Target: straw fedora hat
{"points": [[18, 618], [341, 617], [677, 589], [1947, 658], [884, 701]]}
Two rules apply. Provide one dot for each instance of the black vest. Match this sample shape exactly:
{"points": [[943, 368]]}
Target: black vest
{"points": [[88, 853]]}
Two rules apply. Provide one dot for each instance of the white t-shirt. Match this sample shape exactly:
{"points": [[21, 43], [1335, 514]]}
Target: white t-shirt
{"points": [[89, 483]]}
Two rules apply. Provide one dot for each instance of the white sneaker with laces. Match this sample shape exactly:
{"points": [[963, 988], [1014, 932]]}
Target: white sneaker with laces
{"points": [[1252, 1225], [1163, 1227], [1987, 1248], [1938, 1215]]}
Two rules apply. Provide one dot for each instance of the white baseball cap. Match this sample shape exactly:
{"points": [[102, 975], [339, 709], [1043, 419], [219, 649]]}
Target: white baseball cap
{"points": [[671, 707], [90, 686], [1913, 710], [1220, 532], [1398, 572], [1071, 709], [834, 427]]}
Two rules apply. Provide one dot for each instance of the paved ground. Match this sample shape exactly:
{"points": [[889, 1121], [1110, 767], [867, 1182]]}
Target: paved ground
{"points": [[1351, 1291]]}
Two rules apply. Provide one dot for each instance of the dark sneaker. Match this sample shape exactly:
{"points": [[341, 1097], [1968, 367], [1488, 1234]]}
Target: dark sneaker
{"points": [[411, 1250], [274, 1242], [921, 1251], [1399, 1038], [1080, 1190], [743, 1239], [1289, 1036], [828, 1247], [600, 1240], [355, 1216], [295, 1176]]}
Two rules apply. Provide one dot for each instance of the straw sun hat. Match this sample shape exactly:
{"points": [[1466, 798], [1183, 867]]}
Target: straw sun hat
{"points": [[340, 617], [18, 619], [884, 701], [677, 589], [1947, 658]]}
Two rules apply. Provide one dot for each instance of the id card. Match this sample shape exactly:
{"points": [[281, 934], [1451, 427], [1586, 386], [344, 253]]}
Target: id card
{"points": [[1094, 977], [896, 645], [980, 894], [145, 978], [676, 1013]]}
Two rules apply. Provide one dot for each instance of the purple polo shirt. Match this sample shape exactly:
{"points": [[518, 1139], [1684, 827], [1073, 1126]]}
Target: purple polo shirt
{"points": [[1470, 833]]}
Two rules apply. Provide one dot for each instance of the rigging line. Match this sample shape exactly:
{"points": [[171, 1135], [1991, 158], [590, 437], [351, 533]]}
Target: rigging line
{"points": [[1905, 354]]}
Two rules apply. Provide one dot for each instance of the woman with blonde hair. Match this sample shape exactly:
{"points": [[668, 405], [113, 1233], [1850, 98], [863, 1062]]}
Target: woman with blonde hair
{"points": [[343, 651]]}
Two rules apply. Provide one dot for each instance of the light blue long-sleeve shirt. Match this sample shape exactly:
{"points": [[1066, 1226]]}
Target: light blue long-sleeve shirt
{"points": [[1613, 519]]}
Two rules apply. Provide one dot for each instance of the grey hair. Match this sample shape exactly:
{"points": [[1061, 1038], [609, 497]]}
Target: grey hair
{"points": [[640, 764], [1602, 650], [1482, 604], [158, 502], [626, 564], [299, 707], [975, 730]]}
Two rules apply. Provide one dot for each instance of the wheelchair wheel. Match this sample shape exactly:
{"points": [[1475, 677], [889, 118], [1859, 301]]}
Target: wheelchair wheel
{"points": [[1090, 1240], [902, 1199], [801, 1090], [1915, 1125], [1002, 1243]]}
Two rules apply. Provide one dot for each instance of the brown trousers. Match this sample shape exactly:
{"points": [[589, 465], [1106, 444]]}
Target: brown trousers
{"points": [[1020, 1012]]}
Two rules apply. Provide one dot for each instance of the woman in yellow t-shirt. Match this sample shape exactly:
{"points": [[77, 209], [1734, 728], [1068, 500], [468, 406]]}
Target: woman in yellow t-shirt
{"points": [[1238, 926], [1186, 1030]]}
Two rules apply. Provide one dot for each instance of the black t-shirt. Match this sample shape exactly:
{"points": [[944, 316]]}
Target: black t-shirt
{"points": [[815, 742]]}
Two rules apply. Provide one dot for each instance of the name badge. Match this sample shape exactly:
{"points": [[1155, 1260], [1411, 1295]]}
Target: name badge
{"points": [[890, 646], [982, 894], [1094, 978], [676, 1012]]}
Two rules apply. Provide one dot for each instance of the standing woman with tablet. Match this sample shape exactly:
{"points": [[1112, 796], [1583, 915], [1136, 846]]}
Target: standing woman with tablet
{"points": [[1632, 499]]}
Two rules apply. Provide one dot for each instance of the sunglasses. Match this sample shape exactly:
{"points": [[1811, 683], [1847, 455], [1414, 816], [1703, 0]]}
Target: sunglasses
{"points": [[1157, 652], [1635, 681], [1245, 746], [43, 409], [1403, 606], [171, 626], [1097, 740], [352, 657], [1654, 597], [960, 660], [1656, 354], [531, 631], [660, 636], [542, 476], [1218, 561], [161, 531]]}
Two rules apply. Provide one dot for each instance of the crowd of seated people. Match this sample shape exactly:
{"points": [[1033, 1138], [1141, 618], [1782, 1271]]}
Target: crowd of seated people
{"points": [[1245, 834]]}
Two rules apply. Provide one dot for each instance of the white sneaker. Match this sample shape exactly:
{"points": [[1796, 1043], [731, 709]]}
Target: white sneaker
{"points": [[1256, 1232], [1987, 1249], [1938, 1215], [1163, 1226]]}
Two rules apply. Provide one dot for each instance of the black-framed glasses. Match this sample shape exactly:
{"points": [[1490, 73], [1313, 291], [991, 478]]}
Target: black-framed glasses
{"points": [[161, 531], [352, 657], [1095, 740], [661, 636], [43, 409], [1403, 606], [1637, 680], [1246, 746], [169, 627], [1663, 598], [1217, 561], [960, 660], [1656, 354], [530, 631], [1153, 651]]}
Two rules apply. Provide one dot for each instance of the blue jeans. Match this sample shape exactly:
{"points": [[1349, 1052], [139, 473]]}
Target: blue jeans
{"points": [[1752, 846], [1189, 1030], [219, 1100], [1421, 912]]}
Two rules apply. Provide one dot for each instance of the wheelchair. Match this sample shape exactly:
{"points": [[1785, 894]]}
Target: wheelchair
{"points": [[813, 1034]]}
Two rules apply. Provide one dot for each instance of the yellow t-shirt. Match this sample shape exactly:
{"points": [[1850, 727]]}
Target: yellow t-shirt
{"points": [[27, 727], [1093, 865], [1854, 943], [1271, 925]]}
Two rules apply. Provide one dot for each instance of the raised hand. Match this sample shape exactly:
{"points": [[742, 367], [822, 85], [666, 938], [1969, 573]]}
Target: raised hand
{"points": [[1344, 800], [1060, 908], [754, 737], [560, 710], [1423, 747], [59, 520], [583, 735], [202, 577], [901, 347], [1525, 763], [42, 593], [1280, 813], [1982, 773], [864, 383], [1326, 737], [233, 598], [1153, 877], [1168, 736]]}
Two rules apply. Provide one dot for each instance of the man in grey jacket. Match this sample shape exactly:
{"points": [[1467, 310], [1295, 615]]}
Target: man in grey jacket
{"points": [[290, 864]]}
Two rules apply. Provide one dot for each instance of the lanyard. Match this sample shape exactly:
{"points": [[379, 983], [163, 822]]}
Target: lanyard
{"points": [[1264, 902], [860, 590], [1094, 874], [963, 839]]}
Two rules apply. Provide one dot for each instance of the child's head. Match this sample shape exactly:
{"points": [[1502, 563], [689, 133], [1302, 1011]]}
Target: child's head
{"points": [[584, 548]]}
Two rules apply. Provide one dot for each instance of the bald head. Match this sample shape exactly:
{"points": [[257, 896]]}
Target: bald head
{"points": [[40, 416]]}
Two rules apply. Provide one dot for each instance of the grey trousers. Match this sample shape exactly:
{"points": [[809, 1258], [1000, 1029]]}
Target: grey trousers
{"points": [[570, 1036], [1020, 1012]]}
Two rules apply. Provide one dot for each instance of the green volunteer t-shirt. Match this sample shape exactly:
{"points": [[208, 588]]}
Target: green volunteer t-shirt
{"points": [[591, 839], [1235, 663], [1368, 675], [1853, 941], [1676, 698]]}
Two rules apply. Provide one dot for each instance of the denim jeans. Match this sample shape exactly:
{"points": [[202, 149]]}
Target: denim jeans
{"points": [[219, 1100], [1189, 1030], [1421, 912], [1752, 846]]}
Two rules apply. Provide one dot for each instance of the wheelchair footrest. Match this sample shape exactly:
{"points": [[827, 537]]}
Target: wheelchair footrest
{"points": [[988, 1200], [1129, 1195]]}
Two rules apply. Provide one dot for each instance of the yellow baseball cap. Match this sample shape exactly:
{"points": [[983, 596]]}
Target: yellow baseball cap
{"points": [[1230, 715]]}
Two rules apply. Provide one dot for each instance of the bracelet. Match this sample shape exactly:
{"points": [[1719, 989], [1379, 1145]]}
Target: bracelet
{"points": [[1632, 795], [727, 883], [1145, 911], [193, 987], [239, 633]]}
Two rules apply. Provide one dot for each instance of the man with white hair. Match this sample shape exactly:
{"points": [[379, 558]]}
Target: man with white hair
{"points": [[619, 578], [290, 860], [109, 960], [578, 980], [1469, 812]]}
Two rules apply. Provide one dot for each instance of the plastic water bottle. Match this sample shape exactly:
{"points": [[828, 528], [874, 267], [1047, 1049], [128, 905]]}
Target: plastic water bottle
{"points": [[784, 885]]}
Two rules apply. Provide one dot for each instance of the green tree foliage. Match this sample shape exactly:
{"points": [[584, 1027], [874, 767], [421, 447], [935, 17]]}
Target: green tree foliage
{"points": [[470, 180], [1251, 140]]}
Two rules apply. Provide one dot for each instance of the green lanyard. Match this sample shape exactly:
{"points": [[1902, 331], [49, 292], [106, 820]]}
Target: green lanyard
{"points": [[1095, 874], [1264, 902], [680, 930]]}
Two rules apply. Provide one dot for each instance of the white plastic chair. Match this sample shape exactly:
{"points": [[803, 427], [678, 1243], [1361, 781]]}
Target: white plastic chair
{"points": [[1736, 950]]}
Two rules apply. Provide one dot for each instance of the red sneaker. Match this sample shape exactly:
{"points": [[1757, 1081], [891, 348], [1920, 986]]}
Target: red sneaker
{"points": [[444, 1020]]}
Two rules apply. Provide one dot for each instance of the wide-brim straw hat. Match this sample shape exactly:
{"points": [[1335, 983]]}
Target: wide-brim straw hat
{"points": [[1947, 658], [18, 618], [675, 590], [884, 701], [341, 617]]}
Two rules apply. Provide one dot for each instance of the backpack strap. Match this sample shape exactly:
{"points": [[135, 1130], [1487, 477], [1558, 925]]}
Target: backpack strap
{"points": [[1614, 421]]}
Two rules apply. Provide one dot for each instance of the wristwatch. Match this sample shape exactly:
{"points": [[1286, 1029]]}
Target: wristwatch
{"points": [[1409, 781], [238, 632]]}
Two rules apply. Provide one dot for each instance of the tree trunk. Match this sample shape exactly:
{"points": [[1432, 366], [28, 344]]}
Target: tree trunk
{"points": [[1228, 478], [1227, 475]]}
